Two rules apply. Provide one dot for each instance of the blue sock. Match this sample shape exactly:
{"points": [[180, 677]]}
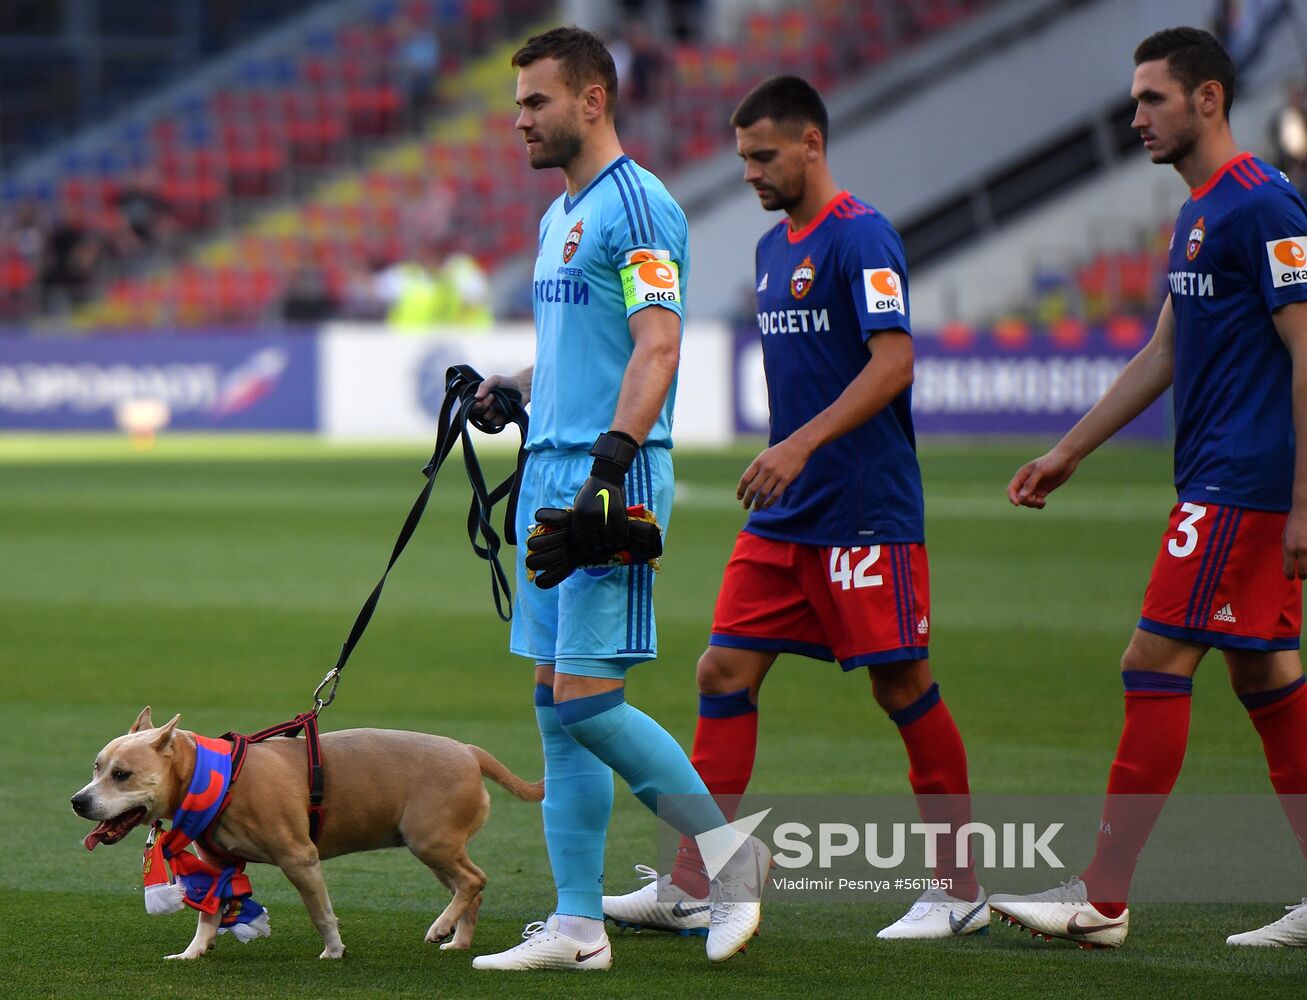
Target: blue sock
{"points": [[578, 801], [645, 755]]}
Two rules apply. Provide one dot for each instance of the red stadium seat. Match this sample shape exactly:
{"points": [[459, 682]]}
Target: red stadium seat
{"points": [[374, 110]]}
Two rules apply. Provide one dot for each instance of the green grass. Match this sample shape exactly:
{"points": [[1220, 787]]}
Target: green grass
{"points": [[217, 578]]}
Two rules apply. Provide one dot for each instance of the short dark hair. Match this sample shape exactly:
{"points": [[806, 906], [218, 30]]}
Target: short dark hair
{"points": [[582, 57], [785, 100], [1193, 57]]}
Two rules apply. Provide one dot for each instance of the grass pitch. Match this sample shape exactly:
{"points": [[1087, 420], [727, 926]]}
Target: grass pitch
{"points": [[217, 578]]}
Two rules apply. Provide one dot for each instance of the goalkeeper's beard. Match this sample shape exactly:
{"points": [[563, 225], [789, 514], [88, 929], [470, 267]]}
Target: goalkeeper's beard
{"points": [[557, 150]]}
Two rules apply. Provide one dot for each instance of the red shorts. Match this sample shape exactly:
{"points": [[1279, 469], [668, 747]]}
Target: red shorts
{"points": [[1218, 580], [861, 606]]}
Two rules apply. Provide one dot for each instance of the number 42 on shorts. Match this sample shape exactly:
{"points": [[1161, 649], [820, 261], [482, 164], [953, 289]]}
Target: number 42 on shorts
{"points": [[848, 573]]}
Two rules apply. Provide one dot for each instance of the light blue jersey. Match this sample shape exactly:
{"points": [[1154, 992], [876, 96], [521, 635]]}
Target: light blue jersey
{"points": [[620, 245]]}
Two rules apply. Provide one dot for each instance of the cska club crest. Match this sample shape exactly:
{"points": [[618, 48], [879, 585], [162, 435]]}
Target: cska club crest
{"points": [[573, 241], [1196, 236], [801, 279]]}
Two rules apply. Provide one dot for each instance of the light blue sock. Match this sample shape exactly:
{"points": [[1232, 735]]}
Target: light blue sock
{"points": [[578, 801], [645, 755]]}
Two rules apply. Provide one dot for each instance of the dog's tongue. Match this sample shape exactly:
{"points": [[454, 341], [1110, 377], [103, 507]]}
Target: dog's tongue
{"points": [[96, 836]]}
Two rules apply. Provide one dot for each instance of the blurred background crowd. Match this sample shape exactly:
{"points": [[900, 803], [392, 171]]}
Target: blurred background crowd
{"points": [[233, 163]]}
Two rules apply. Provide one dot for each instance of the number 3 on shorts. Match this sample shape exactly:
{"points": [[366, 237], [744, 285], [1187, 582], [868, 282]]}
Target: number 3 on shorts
{"points": [[857, 576], [1179, 548]]}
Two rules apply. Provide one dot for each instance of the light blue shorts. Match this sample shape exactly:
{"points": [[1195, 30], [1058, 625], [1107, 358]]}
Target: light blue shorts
{"points": [[598, 621]]}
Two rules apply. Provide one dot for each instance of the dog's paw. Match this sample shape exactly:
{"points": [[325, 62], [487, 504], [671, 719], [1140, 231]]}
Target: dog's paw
{"points": [[452, 945], [189, 953], [333, 952], [439, 932]]}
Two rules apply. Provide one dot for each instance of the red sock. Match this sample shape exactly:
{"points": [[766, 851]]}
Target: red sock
{"points": [[1281, 720], [937, 771], [725, 743], [1148, 760]]}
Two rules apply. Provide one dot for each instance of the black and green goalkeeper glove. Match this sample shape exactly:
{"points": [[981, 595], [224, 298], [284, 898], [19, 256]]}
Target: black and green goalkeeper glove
{"points": [[552, 553], [599, 522]]}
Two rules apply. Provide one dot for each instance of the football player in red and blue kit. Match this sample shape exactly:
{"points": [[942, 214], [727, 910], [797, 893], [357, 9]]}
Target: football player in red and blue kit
{"points": [[1232, 340], [831, 563]]}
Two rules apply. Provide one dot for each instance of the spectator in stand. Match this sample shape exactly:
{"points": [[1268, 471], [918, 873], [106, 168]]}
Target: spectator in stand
{"points": [[1244, 26], [684, 19], [638, 56], [148, 216], [359, 296], [27, 229], [308, 297], [619, 47], [72, 256], [1289, 135], [648, 66], [417, 59]]}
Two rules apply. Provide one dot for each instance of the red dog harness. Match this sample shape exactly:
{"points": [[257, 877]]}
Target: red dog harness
{"points": [[306, 721]]}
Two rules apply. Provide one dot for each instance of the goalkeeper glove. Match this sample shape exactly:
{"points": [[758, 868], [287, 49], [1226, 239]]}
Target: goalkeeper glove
{"points": [[599, 522], [552, 555]]}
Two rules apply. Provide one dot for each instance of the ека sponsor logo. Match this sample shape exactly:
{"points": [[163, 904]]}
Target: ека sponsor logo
{"points": [[1288, 260], [884, 290]]}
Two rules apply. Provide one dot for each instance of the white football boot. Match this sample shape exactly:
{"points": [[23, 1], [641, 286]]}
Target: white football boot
{"points": [[1290, 931], [545, 947], [734, 895], [1064, 912], [658, 905], [936, 915]]}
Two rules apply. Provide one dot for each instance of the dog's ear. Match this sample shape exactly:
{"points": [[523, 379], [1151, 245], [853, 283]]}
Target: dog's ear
{"points": [[164, 736], [143, 721]]}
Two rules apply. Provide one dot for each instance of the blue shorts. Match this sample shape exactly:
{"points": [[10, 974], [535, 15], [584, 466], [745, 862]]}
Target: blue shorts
{"points": [[598, 621]]}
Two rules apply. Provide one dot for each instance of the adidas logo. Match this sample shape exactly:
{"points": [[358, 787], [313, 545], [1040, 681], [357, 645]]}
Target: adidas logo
{"points": [[762, 285], [1225, 615], [923, 626]]}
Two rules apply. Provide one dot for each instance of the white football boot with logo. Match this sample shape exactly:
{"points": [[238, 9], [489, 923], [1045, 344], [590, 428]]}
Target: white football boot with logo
{"points": [[658, 905], [1064, 912], [1290, 931], [936, 915], [545, 947], [734, 895]]}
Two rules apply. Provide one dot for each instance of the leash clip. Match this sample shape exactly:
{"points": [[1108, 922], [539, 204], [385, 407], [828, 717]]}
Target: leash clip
{"points": [[332, 678]]}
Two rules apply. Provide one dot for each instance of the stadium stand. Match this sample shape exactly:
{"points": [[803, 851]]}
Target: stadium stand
{"points": [[67, 64], [1048, 177], [300, 156]]}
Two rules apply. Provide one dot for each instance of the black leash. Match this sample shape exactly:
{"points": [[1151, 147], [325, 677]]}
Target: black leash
{"points": [[461, 383]]}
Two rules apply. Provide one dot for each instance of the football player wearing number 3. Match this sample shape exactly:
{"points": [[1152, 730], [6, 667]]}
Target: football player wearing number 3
{"points": [[1232, 339], [831, 563]]}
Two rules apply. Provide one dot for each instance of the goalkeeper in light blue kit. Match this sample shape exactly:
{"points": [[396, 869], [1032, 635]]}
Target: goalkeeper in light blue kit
{"points": [[609, 281]]}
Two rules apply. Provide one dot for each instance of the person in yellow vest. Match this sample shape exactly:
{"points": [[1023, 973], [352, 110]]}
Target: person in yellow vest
{"points": [[435, 290]]}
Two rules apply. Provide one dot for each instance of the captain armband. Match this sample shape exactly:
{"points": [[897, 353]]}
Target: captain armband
{"points": [[650, 276]]}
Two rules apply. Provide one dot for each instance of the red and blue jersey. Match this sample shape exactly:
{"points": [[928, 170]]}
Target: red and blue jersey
{"points": [[823, 292], [1238, 254]]}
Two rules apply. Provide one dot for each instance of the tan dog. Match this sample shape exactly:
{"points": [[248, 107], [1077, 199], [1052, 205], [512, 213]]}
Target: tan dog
{"points": [[383, 788]]}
